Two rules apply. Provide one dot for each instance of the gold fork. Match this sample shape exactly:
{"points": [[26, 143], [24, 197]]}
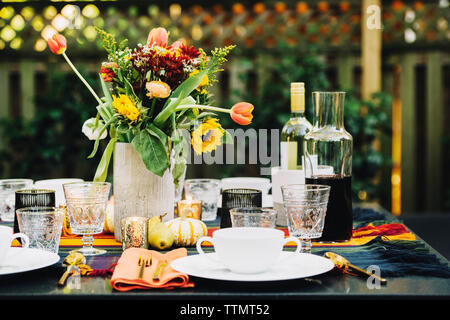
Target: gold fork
{"points": [[143, 262]]}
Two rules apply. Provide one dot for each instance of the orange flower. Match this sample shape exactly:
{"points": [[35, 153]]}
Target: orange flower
{"points": [[176, 45], [57, 43], [157, 89], [241, 113], [107, 71], [158, 36]]}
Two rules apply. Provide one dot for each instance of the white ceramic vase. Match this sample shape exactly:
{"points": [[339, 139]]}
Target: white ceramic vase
{"points": [[138, 191]]}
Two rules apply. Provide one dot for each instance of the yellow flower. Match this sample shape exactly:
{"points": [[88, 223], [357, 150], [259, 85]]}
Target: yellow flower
{"points": [[207, 136], [204, 83], [125, 106]]}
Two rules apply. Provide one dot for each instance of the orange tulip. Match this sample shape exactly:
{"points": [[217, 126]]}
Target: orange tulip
{"points": [[158, 36], [57, 43], [176, 45], [157, 89], [241, 113]]}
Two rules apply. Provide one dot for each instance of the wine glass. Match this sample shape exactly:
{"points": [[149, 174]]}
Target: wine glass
{"points": [[86, 207], [306, 207]]}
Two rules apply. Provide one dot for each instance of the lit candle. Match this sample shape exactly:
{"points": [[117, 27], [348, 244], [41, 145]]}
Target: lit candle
{"points": [[134, 232], [190, 208]]}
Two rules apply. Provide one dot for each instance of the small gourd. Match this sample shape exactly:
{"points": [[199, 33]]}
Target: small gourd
{"points": [[109, 218], [187, 230]]}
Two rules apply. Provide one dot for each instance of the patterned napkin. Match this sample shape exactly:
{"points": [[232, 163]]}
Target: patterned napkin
{"points": [[125, 276]]}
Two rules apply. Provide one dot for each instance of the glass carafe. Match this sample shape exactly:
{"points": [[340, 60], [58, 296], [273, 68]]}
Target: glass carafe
{"points": [[328, 155]]}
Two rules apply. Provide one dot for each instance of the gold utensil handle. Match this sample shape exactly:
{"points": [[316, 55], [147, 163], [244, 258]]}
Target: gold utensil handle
{"points": [[365, 272], [158, 271], [141, 270], [65, 275]]}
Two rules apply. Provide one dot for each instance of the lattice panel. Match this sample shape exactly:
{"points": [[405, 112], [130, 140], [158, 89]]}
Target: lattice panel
{"points": [[282, 25]]}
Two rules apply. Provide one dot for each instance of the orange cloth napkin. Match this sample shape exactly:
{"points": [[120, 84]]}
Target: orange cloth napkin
{"points": [[125, 276]]}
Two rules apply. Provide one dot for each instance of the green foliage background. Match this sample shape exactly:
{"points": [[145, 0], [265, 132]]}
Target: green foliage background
{"points": [[52, 145]]}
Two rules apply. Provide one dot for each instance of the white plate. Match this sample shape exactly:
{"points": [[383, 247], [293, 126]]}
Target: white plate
{"points": [[22, 260], [299, 265]]}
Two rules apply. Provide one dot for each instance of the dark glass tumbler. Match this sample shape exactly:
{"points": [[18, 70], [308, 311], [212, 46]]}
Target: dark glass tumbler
{"points": [[32, 198], [238, 198]]}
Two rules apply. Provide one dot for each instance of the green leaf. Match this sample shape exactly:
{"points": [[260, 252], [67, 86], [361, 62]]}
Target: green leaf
{"points": [[103, 113], [227, 138], [179, 97], [181, 151], [206, 114], [188, 85], [161, 118], [152, 152], [105, 109], [102, 169], [129, 90], [172, 104], [106, 92], [154, 130], [177, 172], [94, 151]]}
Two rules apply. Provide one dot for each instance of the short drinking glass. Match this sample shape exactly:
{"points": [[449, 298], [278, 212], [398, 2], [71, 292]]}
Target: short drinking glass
{"points": [[86, 207], [42, 225], [206, 190], [253, 217], [306, 206], [8, 188], [238, 198]]}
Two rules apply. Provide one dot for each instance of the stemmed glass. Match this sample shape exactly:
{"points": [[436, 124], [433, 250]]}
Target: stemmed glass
{"points": [[86, 207], [306, 207], [8, 188]]}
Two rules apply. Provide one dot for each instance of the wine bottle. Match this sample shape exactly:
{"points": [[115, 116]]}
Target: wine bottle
{"points": [[294, 131]]}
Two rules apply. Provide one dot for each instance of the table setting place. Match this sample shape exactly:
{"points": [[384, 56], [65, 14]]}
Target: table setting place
{"points": [[154, 228], [240, 241]]}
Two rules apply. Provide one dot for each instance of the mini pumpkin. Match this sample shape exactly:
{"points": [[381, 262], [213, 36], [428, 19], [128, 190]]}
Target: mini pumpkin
{"points": [[109, 217], [187, 230]]}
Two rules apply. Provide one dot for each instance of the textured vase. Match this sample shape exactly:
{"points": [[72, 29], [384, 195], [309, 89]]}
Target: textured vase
{"points": [[137, 191]]}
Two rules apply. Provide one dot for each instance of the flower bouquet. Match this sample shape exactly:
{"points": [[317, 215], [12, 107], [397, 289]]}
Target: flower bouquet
{"points": [[150, 94]]}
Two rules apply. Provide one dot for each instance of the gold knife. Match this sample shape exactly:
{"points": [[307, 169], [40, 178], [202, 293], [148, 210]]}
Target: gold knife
{"points": [[159, 270], [342, 263]]}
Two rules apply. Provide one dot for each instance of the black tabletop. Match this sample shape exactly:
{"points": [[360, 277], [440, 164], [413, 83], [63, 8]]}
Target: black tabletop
{"points": [[42, 284]]}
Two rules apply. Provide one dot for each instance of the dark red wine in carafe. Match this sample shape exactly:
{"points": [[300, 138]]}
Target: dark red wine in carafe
{"points": [[339, 216]]}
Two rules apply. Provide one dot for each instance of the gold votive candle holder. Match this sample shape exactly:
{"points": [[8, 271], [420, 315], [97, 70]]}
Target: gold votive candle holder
{"points": [[134, 232], [190, 208]]}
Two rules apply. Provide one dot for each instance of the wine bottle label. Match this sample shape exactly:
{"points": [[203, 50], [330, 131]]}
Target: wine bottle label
{"points": [[289, 151]]}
